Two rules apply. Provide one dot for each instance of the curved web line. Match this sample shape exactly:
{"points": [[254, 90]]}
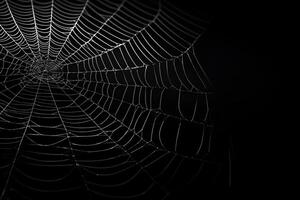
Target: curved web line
{"points": [[100, 28], [8, 7], [19, 146], [15, 42], [122, 44], [116, 143], [11, 53], [69, 142], [36, 29], [8, 104], [72, 29], [136, 134], [50, 31]]}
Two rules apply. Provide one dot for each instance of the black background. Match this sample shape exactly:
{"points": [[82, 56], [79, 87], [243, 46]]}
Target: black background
{"points": [[237, 52]]}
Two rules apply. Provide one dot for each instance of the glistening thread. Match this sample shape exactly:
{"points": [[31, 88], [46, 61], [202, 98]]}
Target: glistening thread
{"points": [[102, 98]]}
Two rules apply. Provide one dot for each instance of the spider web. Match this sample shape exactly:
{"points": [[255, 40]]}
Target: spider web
{"points": [[107, 93]]}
